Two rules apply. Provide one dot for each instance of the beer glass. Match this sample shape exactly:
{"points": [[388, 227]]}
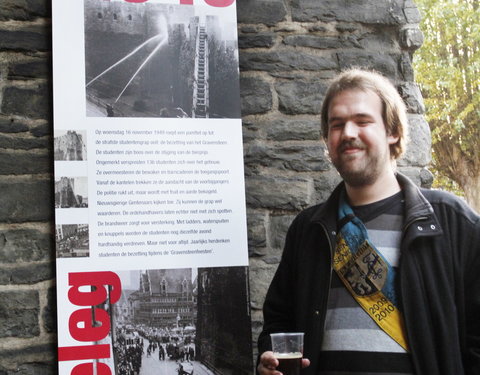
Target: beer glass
{"points": [[288, 349]]}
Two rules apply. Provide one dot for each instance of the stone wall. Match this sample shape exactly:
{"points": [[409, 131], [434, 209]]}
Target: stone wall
{"points": [[288, 51]]}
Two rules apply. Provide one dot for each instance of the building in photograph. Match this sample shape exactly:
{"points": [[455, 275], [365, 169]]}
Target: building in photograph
{"points": [[166, 299], [69, 146]]}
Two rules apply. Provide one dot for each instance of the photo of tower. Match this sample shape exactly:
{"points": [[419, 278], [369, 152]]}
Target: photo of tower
{"points": [[158, 60]]}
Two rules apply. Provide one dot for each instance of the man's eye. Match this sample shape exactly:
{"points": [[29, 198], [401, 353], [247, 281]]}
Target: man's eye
{"points": [[336, 125]]}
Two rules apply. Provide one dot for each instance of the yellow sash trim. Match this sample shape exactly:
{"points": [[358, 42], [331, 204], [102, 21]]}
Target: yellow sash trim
{"points": [[377, 305]]}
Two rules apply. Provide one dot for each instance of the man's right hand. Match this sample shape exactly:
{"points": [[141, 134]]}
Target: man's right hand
{"points": [[268, 364]]}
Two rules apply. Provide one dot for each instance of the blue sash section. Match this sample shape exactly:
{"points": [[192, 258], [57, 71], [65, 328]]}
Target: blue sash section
{"points": [[355, 234]]}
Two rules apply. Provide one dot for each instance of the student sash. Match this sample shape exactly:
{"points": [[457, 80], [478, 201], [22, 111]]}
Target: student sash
{"points": [[367, 274]]}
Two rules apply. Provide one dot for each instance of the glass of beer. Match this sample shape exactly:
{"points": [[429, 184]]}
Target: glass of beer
{"points": [[288, 349]]}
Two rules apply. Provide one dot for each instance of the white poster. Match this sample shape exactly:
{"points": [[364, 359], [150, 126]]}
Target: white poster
{"points": [[151, 236]]}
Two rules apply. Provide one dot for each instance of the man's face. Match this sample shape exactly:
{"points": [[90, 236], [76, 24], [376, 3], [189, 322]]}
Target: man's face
{"points": [[357, 140]]}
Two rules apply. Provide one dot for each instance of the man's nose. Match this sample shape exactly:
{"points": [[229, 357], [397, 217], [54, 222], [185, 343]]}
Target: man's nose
{"points": [[350, 130]]}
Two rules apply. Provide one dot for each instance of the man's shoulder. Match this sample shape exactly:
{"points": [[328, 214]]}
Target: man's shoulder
{"points": [[450, 203]]}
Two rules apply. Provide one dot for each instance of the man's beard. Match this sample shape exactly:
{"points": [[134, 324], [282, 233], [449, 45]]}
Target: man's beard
{"points": [[364, 174]]}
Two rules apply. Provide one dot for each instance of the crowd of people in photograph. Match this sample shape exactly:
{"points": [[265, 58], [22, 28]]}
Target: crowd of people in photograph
{"points": [[163, 344]]}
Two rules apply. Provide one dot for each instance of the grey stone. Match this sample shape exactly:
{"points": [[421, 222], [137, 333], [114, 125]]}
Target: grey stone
{"points": [[320, 42], [32, 38], [31, 102], [411, 38], [405, 66], [260, 40], [412, 14], [24, 10], [24, 201], [23, 162], [49, 313], [268, 12], [380, 61], [30, 355], [346, 27], [23, 143], [325, 184], [25, 245], [278, 192], [257, 236], [19, 313], [261, 275], [36, 369], [412, 97], [37, 68], [365, 11], [294, 157], [278, 229], [12, 125], [287, 129], [300, 97], [256, 95], [419, 143], [28, 273], [42, 129], [276, 61], [420, 176]]}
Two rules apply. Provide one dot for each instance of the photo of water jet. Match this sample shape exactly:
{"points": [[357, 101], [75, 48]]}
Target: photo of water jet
{"points": [[158, 60]]}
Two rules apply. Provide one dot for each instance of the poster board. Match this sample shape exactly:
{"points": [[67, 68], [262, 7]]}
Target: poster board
{"points": [[151, 239]]}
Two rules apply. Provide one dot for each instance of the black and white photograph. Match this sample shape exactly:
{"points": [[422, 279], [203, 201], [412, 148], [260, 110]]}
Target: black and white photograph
{"points": [[179, 321], [71, 192], [72, 240], [159, 60], [70, 145]]}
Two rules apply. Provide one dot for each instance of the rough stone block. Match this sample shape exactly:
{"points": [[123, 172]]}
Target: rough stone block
{"points": [[261, 275], [40, 356], [298, 157], [276, 61], [362, 11], [256, 95], [11, 125], [23, 200], [29, 273], [300, 96], [23, 162], [42, 129], [405, 66], [49, 313], [268, 12], [320, 42], [257, 236], [24, 10], [31, 38], [412, 14], [380, 61], [19, 313], [278, 230], [24, 143], [259, 40], [33, 68], [325, 183], [278, 192], [412, 97], [419, 143], [411, 38], [25, 245], [30, 102], [290, 130]]}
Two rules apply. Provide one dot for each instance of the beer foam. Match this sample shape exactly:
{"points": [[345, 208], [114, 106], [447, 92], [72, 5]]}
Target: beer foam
{"points": [[293, 355]]}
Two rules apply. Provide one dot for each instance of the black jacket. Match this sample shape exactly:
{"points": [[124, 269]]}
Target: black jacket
{"points": [[439, 276]]}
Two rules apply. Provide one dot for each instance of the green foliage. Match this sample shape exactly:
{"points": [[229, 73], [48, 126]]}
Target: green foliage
{"points": [[448, 71]]}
